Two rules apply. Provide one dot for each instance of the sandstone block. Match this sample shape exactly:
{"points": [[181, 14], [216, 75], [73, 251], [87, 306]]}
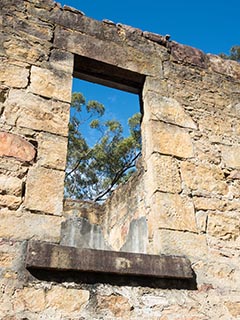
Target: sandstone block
{"points": [[228, 67], [66, 299], [13, 166], [188, 244], [155, 84], [51, 84], [27, 49], [29, 299], [10, 185], [222, 274], [162, 174], [168, 110], [216, 126], [203, 179], [202, 203], [171, 211], [125, 57], [12, 202], [22, 226], [24, 109], [12, 145], [13, 76], [231, 156], [185, 54], [233, 307], [118, 305], [30, 26], [52, 151], [62, 60], [45, 4], [78, 22], [167, 139], [44, 190], [6, 259], [223, 226]]}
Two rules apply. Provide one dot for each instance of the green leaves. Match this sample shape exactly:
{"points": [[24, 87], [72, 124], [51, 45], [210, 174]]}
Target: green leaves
{"points": [[93, 172], [94, 124], [78, 101], [234, 54], [95, 108]]}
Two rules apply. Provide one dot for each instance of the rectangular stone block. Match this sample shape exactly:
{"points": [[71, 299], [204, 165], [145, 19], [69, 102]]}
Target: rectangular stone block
{"points": [[228, 67], [203, 203], [171, 211], [231, 156], [224, 226], [12, 75], [30, 26], [44, 190], [27, 49], [51, 83], [169, 110], [22, 226], [218, 128], [162, 174], [36, 300], [187, 55], [204, 179], [74, 299], [29, 299], [52, 151], [166, 139], [125, 57], [62, 60], [170, 242], [24, 109], [155, 84]]}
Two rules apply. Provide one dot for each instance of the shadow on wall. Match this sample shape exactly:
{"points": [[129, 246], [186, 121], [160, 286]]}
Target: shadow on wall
{"points": [[113, 279]]}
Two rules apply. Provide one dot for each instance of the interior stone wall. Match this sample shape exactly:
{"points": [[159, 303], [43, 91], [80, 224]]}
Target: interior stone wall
{"points": [[184, 200]]}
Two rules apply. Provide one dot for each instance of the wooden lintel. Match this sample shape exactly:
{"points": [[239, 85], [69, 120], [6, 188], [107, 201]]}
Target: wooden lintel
{"points": [[108, 75], [43, 255]]}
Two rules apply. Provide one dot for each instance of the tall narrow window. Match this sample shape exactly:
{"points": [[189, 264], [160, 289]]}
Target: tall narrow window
{"points": [[104, 130]]}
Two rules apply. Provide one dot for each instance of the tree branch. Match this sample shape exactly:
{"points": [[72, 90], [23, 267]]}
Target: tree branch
{"points": [[117, 176]]}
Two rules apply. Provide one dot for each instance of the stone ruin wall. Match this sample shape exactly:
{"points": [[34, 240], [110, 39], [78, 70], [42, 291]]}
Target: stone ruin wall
{"points": [[187, 192]]}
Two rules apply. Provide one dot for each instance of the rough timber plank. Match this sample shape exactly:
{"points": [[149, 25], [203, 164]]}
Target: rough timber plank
{"points": [[42, 255]]}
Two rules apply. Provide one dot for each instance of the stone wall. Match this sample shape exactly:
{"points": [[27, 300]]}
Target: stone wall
{"points": [[183, 201]]}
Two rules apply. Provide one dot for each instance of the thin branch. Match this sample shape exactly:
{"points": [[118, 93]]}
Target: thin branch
{"points": [[83, 158], [117, 176], [78, 163]]}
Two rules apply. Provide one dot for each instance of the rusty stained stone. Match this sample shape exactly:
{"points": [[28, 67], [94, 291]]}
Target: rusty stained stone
{"points": [[43, 255], [185, 54], [12, 145]]}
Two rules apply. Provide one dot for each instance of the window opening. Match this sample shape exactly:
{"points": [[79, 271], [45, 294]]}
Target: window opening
{"points": [[104, 130]]}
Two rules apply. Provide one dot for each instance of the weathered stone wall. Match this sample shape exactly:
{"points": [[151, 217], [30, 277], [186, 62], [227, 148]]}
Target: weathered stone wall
{"points": [[184, 200]]}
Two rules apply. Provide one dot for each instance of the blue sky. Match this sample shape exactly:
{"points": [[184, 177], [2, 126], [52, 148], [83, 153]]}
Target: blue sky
{"points": [[212, 26]]}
